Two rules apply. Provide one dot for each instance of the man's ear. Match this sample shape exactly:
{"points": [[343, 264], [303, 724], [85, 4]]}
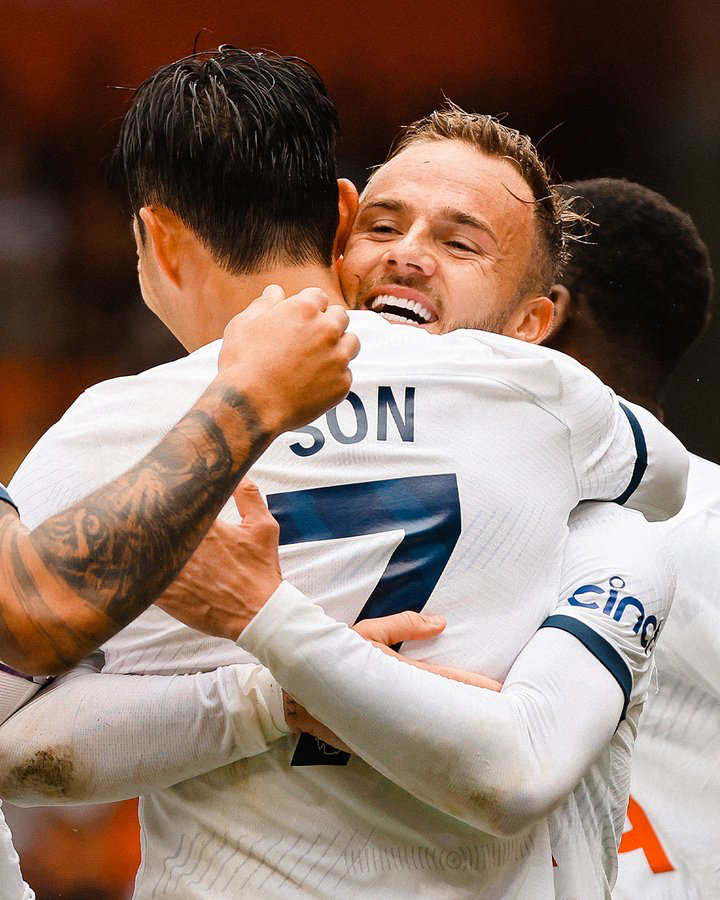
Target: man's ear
{"points": [[531, 321], [162, 233], [561, 300], [348, 207]]}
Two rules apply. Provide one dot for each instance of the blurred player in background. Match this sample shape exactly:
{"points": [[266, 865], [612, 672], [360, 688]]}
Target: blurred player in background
{"points": [[451, 218], [633, 299]]}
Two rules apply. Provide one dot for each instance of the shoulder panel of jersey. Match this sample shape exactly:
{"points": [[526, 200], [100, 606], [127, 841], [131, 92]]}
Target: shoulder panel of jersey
{"points": [[107, 429], [617, 589], [540, 373], [631, 449]]}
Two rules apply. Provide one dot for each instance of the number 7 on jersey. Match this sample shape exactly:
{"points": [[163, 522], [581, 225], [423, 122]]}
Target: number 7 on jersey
{"points": [[425, 507]]}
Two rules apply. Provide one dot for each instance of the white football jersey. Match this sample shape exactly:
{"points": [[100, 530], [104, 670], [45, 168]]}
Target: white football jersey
{"points": [[619, 616], [12, 886], [443, 483], [444, 742], [671, 847]]}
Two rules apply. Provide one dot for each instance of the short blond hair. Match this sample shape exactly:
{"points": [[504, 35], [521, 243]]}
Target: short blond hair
{"points": [[553, 213]]}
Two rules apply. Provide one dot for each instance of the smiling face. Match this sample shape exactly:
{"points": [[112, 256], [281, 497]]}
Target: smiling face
{"points": [[442, 240]]}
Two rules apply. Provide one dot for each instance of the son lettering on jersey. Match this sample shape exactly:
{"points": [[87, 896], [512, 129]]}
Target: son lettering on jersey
{"points": [[349, 422], [617, 605]]}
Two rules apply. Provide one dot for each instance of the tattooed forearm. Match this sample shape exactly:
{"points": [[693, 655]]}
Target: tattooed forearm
{"points": [[85, 573]]}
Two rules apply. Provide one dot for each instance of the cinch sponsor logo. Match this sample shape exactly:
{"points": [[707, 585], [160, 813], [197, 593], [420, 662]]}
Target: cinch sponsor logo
{"points": [[618, 605]]}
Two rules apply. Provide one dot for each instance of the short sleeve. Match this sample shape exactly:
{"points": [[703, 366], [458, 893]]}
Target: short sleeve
{"points": [[62, 468], [617, 586], [620, 451]]}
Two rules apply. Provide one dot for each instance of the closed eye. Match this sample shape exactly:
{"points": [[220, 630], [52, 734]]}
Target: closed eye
{"points": [[461, 245]]}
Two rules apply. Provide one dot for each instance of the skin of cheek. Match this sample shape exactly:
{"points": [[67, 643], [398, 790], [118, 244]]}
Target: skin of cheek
{"points": [[468, 291]]}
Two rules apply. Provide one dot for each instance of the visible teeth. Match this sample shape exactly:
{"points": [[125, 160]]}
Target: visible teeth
{"points": [[391, 317], [414, 306]]}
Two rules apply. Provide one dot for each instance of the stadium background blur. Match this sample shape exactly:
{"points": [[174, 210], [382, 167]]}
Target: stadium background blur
{"points": [[607, 90]]}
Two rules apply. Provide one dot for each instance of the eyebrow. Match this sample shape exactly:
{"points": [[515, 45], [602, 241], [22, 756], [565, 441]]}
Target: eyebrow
{"points": [[448, 213]]}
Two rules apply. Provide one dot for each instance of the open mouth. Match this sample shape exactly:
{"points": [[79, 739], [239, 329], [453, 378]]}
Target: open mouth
{"points": [[400, 309]]}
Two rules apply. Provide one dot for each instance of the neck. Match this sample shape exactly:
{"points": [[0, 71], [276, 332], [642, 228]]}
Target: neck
{"points": [[217, 296], [631, 376]]}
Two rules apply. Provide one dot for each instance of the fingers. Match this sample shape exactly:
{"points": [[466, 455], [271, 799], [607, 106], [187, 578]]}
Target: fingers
{"points": [[338, 315], [316, 296], [404, 626], [299, 720], [313, 299], [273, 292], [270, 297], [349, 344], [472, 678], [250, 503]]}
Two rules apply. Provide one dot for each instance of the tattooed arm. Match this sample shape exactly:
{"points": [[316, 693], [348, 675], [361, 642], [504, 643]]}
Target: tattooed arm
{"points": [[83, 574]]}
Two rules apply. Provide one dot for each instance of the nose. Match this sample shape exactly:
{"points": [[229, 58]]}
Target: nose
{"points": [[410, 254]]}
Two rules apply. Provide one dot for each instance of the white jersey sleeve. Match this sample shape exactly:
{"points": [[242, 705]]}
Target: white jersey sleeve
{"points": [[618, 612], [15, 690], [621, 451], [64, 466], [12, 886], [618, 584], [131, 734], [497, 761], [658, 484]]}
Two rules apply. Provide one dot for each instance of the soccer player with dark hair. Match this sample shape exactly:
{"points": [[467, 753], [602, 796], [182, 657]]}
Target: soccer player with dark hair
{"points": [[266, 197], [84, 573], [442, 484], [634, 297]]}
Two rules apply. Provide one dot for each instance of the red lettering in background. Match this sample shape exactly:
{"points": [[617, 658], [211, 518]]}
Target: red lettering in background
{"points": [[641, 836]]}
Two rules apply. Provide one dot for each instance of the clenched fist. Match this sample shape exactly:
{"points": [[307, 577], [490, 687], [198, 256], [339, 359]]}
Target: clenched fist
{"points": [[289, 356]]}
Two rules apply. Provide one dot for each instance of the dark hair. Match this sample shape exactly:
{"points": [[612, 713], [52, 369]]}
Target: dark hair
{"points": [[553, 215], [241, 147], [643, 269]]}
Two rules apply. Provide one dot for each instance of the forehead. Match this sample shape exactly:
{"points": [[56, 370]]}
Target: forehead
{"points": [[437, 174]]}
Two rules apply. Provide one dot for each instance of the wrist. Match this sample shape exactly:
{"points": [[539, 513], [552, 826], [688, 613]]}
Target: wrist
{"points": [[250, 607], [244, 415]]}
